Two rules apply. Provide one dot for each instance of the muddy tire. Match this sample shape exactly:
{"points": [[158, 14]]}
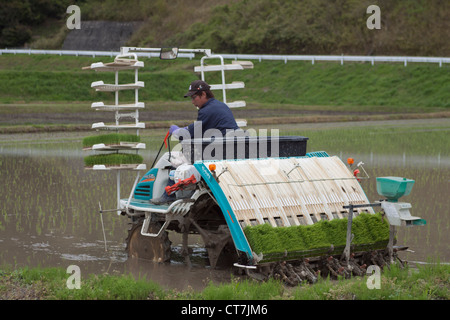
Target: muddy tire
{"points": [[148, 248], [207, 219]]}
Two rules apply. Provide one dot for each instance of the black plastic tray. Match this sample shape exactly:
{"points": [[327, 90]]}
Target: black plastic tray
{"points": [[244, 148]]}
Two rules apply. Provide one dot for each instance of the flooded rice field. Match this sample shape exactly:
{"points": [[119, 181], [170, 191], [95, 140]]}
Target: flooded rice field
{"points": [[49, 203]]}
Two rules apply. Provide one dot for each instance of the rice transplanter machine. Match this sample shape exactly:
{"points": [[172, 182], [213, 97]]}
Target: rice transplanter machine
{"points": [[261, 203]]}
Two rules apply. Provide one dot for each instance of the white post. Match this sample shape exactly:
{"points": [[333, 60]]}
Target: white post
{"points": [[136, 99], [118, 191], [223, 79], [116, 94]]}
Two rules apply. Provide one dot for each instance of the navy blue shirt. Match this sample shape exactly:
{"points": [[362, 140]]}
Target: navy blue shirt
{"points": [[214, 115]]}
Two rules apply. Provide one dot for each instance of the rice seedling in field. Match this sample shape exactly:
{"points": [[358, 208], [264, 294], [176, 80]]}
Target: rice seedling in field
{"points": [[389, 139]]}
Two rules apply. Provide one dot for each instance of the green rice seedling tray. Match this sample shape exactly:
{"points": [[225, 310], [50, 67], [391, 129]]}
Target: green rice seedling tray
{"points": [[109, 139], [112, 159], [294, 242]]}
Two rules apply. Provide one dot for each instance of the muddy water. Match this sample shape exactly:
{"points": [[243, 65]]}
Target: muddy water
{"points": [[49, 212], [49, 217], [430, 201]]}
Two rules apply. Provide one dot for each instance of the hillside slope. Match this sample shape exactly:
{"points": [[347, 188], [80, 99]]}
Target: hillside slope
{"points": [[418, 28]]}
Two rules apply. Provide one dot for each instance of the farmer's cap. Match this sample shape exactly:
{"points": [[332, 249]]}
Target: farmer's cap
{"points": [[196, 86]]}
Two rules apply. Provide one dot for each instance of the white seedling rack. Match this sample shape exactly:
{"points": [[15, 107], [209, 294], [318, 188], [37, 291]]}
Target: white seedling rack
{"points": [[124, 62], [222, 67], [127, 60], [121, 63]]}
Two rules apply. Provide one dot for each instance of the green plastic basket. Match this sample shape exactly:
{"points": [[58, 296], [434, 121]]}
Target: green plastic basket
{"points": [[394, 187]]}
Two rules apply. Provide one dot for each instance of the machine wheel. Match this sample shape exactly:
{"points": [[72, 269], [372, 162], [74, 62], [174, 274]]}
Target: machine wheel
{"points": [[148, 248], [208, 221]]}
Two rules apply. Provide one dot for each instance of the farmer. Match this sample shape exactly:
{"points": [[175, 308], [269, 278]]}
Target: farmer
{"points": [[212, 114]]}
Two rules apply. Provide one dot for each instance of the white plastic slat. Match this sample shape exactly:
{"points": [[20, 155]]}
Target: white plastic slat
{"points": [[225, 67], [116, 66], [241, 122], [236, 104], [233, 85], [298, 190], [102, 107], [101, 86], [101, 125], [121, 146], [140, 166]]}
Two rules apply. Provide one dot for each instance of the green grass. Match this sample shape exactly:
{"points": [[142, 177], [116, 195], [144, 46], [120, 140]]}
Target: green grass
{"points": [[367, 229], [391, 87], [113, 288], [107, 139], [112, 159], [97, 287], [352, 84], [428, 282]]}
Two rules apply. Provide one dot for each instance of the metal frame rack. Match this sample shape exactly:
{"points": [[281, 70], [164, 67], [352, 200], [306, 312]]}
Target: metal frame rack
{"points": [[222, 67], [130, 110]]}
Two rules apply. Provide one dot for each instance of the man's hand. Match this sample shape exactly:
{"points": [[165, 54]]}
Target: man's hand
{"points": [[173, 128]]}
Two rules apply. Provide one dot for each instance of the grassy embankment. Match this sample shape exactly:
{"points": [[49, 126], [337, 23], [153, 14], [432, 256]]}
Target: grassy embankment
{"points": [[428, 282], [36, 86]]}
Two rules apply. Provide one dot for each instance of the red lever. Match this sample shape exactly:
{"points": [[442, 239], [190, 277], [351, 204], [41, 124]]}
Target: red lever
{"points": [[165, 139], [180, 184]]}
